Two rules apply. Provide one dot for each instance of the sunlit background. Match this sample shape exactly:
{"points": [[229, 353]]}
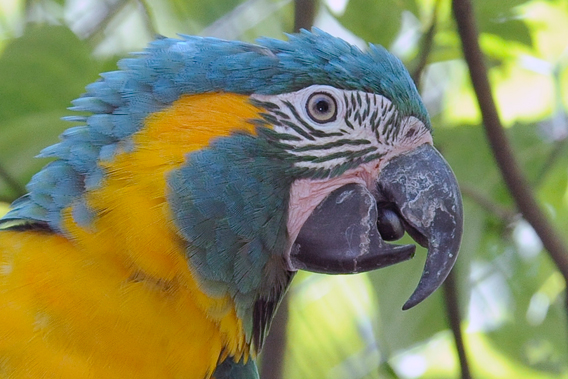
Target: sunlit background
{"points": [[511, 296]]}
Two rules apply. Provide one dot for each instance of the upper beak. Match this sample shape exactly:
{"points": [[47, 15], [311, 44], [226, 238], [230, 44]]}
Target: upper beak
{"points": [[418, 192]]}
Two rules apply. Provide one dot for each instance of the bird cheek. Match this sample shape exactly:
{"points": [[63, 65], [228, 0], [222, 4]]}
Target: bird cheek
{"points": [[415, 192]]}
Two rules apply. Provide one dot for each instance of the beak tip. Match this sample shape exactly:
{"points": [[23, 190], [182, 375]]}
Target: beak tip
{"points": [[437, 268], [412, 302], [421, 293], [409, 304], [434, 213]]}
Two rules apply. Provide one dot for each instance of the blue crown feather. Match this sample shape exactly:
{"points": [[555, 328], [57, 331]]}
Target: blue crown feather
{"points": [[169, 68]]}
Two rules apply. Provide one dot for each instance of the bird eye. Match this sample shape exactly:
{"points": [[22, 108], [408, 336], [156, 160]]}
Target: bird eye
{"points": [[321, 107]]}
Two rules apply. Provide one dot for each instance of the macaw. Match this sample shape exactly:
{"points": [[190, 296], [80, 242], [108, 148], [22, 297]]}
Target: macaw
{"points": [[204, 174]]}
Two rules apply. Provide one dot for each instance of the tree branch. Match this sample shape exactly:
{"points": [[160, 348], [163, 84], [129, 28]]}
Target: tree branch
{"points": [[505, 214], [426, 45], [272, 362], [454, 319], [147, 17], [556, 153], [514, 178], [304, 14], [111, 10], [386, 367], [450, 291]]}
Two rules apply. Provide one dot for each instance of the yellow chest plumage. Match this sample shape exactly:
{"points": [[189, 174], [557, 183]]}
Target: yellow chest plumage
{"points": [[118, 299]]}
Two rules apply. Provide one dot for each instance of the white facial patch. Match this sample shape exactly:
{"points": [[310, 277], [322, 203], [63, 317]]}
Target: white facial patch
{"points": [[326, 127]]}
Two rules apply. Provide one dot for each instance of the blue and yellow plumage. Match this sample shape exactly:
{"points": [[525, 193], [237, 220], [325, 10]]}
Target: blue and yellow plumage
{"points": [[161, 239]]}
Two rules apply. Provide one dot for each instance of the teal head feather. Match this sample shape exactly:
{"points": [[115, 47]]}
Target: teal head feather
{"points": [[169, 68]]}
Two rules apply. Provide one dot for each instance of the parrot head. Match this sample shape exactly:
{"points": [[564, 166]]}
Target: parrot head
{"points": [[366, 174], [313, 155]]}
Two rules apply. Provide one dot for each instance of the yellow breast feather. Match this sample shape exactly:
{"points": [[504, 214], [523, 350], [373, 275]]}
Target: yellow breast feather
{"points": [[118, 299]]}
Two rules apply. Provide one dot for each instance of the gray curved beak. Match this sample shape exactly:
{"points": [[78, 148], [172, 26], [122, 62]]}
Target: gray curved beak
{"points": [[425, 192], [341, 236], [418, 192]]}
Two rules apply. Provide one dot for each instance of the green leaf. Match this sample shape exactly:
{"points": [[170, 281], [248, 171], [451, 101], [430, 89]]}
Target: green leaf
{"points": [[500, 18], [542, 342], [330, 328], [488, 240], [21, 140], [394, 285], [43, 70], [376, 21], [4, 208], [278, 22], [204, 12], [510, 30]]}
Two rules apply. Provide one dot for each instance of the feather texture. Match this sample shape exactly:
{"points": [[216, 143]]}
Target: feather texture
{"points": [[154, 245], [171, 68], [111, 299]]}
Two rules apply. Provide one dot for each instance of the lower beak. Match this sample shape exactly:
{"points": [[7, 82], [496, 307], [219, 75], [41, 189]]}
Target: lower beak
{"points": [[418, 191]]}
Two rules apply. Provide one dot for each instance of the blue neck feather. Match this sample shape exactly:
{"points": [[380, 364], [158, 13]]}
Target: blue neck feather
{"points": [[230, 202]]}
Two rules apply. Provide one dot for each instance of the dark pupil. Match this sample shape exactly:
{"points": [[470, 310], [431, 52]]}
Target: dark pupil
{"points": [[322, 106]]}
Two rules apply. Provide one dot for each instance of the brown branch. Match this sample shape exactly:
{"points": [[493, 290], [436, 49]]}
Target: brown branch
{"points": [[556, 153], [450, 291], [505, 214], [272, 362], [514, 178], [304, 14], [386, 367], [147, 17], [426, 45], [111, 10], [454, 319]]}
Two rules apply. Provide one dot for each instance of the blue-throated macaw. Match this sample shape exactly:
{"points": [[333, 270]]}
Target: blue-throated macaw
{"points": [[160, 240]]}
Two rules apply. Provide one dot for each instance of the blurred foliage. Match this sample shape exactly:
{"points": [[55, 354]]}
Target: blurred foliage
{"points": [[4, 208], [511, 295]]}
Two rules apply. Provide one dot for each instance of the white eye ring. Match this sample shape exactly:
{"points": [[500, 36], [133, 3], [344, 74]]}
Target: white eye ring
{"points": [[321, 107]]}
